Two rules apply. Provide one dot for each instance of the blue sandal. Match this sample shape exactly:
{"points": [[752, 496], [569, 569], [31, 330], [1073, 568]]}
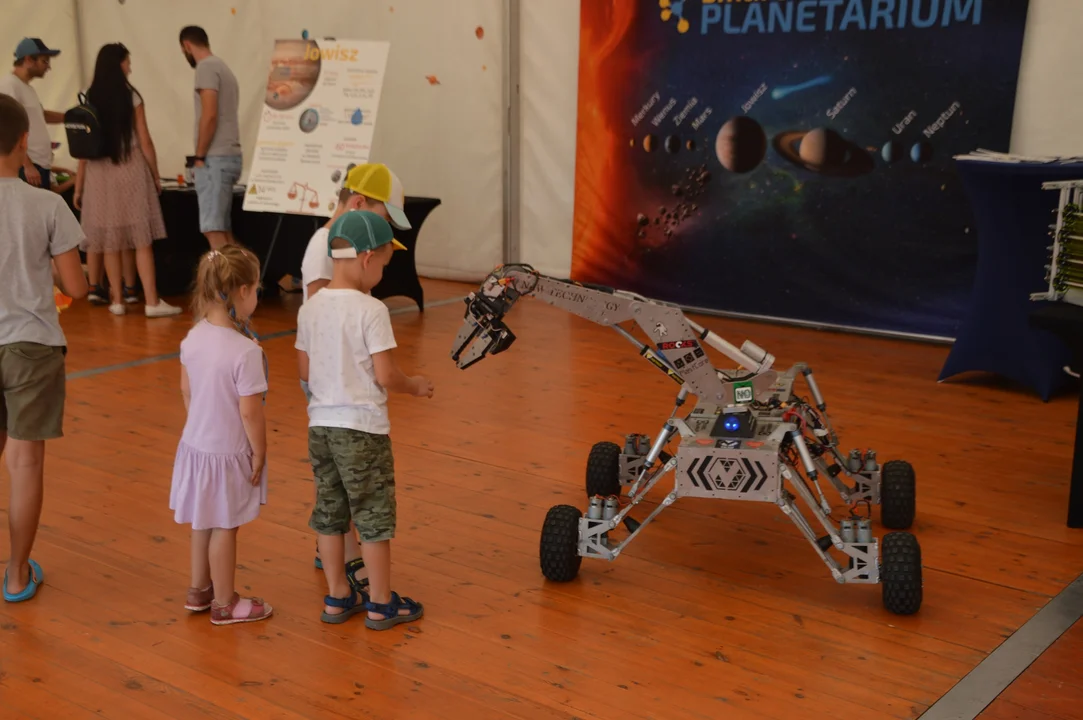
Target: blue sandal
{"points": [[36, 578], [360, 586], [351, 605], [390, 611]]}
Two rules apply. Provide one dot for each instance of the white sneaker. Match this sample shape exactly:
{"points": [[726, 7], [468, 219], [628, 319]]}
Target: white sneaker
{"points": [[118, 309], [162, 309]]}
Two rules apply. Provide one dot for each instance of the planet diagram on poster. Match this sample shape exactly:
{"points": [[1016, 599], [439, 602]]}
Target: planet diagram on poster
{"points": [[295, 69]]}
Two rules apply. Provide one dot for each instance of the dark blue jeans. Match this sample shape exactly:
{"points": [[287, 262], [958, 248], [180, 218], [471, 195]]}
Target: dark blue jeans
{"points": [[46, 175]]}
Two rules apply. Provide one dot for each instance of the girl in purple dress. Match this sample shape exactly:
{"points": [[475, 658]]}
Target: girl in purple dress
{"points": [[220, 473]]}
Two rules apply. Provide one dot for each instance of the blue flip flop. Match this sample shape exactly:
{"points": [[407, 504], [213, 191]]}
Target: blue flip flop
{"points": [[36, 578]]}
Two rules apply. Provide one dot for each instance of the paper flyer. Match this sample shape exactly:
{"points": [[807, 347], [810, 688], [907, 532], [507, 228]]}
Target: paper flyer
{"points": [[319, 115]]}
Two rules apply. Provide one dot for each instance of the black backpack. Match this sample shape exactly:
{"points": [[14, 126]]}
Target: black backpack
{"points": [[85, 140]]}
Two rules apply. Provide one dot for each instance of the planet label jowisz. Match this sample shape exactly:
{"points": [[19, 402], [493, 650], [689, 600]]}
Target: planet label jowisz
{"points": [[790, 158]]}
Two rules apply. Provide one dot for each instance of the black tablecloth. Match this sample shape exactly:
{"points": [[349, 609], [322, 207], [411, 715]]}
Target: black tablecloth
{"points": [[176, 256], [1066, 321], [1012, 215]]}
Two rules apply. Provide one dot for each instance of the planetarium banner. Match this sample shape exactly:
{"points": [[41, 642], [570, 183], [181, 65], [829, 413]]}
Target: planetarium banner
{"points": [[790, 158]]}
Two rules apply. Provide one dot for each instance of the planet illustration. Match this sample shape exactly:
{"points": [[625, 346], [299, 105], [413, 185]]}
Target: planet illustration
{"points": [[740, 144], [891, 152], [336, 176], [310, 120], [921, 152], [358, 117], [649, 142], [691, 144], [294, 71], [823, 151], [673, 144]]}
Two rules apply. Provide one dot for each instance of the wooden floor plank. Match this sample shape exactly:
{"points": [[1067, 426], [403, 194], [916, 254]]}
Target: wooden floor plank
{"points": [[717, 610], [1052, 687]]}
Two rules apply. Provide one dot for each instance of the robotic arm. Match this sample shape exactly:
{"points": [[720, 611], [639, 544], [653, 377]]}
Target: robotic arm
{"points": [[680, 354]]}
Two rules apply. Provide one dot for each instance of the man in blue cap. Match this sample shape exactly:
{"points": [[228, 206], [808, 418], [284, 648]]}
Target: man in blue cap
{"points": [[32, 61]]}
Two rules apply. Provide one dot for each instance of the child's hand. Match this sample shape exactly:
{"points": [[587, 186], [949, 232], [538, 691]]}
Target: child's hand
{"points": [[422, 386], [257, 469]]}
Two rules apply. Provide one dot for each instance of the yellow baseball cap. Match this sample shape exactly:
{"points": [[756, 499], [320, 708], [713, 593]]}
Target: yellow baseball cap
{"points": [[376, 181]]}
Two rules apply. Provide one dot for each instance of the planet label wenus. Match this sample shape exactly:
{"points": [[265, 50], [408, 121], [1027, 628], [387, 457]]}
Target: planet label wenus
{"points": [[806, 16]]}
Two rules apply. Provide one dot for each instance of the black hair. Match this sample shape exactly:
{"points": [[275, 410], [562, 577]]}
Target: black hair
{"points": [[195, 35], [14, 123], [111, 95]]}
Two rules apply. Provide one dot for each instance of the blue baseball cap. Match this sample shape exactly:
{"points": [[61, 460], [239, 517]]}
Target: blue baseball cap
{"points": [[29, 47]]}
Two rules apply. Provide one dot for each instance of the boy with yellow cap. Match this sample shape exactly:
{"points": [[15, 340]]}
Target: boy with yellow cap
{"points": [[344, 344], [371, 187]]}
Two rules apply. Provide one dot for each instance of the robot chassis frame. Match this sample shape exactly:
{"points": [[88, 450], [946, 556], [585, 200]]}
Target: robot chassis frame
{"points": [[749, 437]]}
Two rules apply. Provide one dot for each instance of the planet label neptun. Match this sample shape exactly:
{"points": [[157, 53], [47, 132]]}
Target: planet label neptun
{"points": [[834, 112], [942, 120], [900, 126]]}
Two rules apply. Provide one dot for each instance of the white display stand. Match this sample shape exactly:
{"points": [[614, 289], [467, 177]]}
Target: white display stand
{"points": [[319, 116], [1064, 273]]}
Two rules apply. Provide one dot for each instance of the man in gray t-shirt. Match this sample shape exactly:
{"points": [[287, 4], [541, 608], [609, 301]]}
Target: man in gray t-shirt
{"points": [[217, 163]]}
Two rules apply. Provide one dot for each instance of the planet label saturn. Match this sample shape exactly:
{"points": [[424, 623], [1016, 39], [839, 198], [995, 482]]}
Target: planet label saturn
{"points": [[833, 112]]}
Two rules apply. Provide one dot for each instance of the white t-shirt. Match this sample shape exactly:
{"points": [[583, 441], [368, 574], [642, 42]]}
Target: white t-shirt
{"points": [[341, 330], [40, 144], [317, 264]]}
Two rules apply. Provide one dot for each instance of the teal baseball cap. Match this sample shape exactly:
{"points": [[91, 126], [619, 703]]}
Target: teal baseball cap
{"points": [[31, 47], [364, 230]]}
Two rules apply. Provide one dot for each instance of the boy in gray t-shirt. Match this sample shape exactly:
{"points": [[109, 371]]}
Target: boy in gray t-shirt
{"points": [[39, 247], [218, 159]]}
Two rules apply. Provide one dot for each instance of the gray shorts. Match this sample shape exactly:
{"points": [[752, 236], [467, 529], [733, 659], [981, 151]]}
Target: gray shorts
{"points": [[214, 190]]}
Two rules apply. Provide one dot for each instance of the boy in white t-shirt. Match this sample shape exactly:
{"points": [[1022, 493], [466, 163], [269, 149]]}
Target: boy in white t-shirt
{"points": [[344, 343], [371, 187]]}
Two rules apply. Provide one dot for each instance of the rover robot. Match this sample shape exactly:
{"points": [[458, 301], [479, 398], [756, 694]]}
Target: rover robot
{"points": [[750, 436]]}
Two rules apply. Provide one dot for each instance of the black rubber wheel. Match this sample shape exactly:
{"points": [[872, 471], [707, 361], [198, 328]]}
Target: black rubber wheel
{"points": [[897, 495], [559, 552], [603, 470], [900, 573]]}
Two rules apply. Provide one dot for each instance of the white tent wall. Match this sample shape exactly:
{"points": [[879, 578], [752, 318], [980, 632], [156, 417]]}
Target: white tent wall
{"points": [[1048, 115], [444, 140], [54, 22]]}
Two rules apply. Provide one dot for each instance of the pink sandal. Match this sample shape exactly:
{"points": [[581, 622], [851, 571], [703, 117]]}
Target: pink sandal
{"points": [[228, 614], [199, 600]]}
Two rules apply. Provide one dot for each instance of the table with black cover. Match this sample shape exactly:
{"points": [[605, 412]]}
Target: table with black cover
{"points": [[1066, 322], [1012, 215], [176, 257]]}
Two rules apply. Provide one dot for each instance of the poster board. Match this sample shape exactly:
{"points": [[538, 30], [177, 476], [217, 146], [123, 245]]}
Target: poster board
{"points": [[790, 159], [318, 119]]}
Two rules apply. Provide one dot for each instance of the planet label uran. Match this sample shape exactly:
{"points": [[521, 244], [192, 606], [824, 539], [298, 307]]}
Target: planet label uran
{"points": [[900, 126]]}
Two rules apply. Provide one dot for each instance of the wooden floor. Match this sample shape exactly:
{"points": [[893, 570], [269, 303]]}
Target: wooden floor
{"points": [[1050, 689], [716, 610]]}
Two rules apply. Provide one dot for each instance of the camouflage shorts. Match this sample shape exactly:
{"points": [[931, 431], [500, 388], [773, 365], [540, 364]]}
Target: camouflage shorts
{"points": [[355, 479]]}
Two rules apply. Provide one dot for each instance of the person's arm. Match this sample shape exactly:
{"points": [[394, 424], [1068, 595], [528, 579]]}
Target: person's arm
{"points": [[147, 144], [392, 379], [30, 170], [315, 286], [68, 274], [255, 427], [186, 388], [302, 365], [80, 178], [53, 117], [208, 122]]}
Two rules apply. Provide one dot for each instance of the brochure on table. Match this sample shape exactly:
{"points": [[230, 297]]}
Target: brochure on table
{"points": [[319, 115]]}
